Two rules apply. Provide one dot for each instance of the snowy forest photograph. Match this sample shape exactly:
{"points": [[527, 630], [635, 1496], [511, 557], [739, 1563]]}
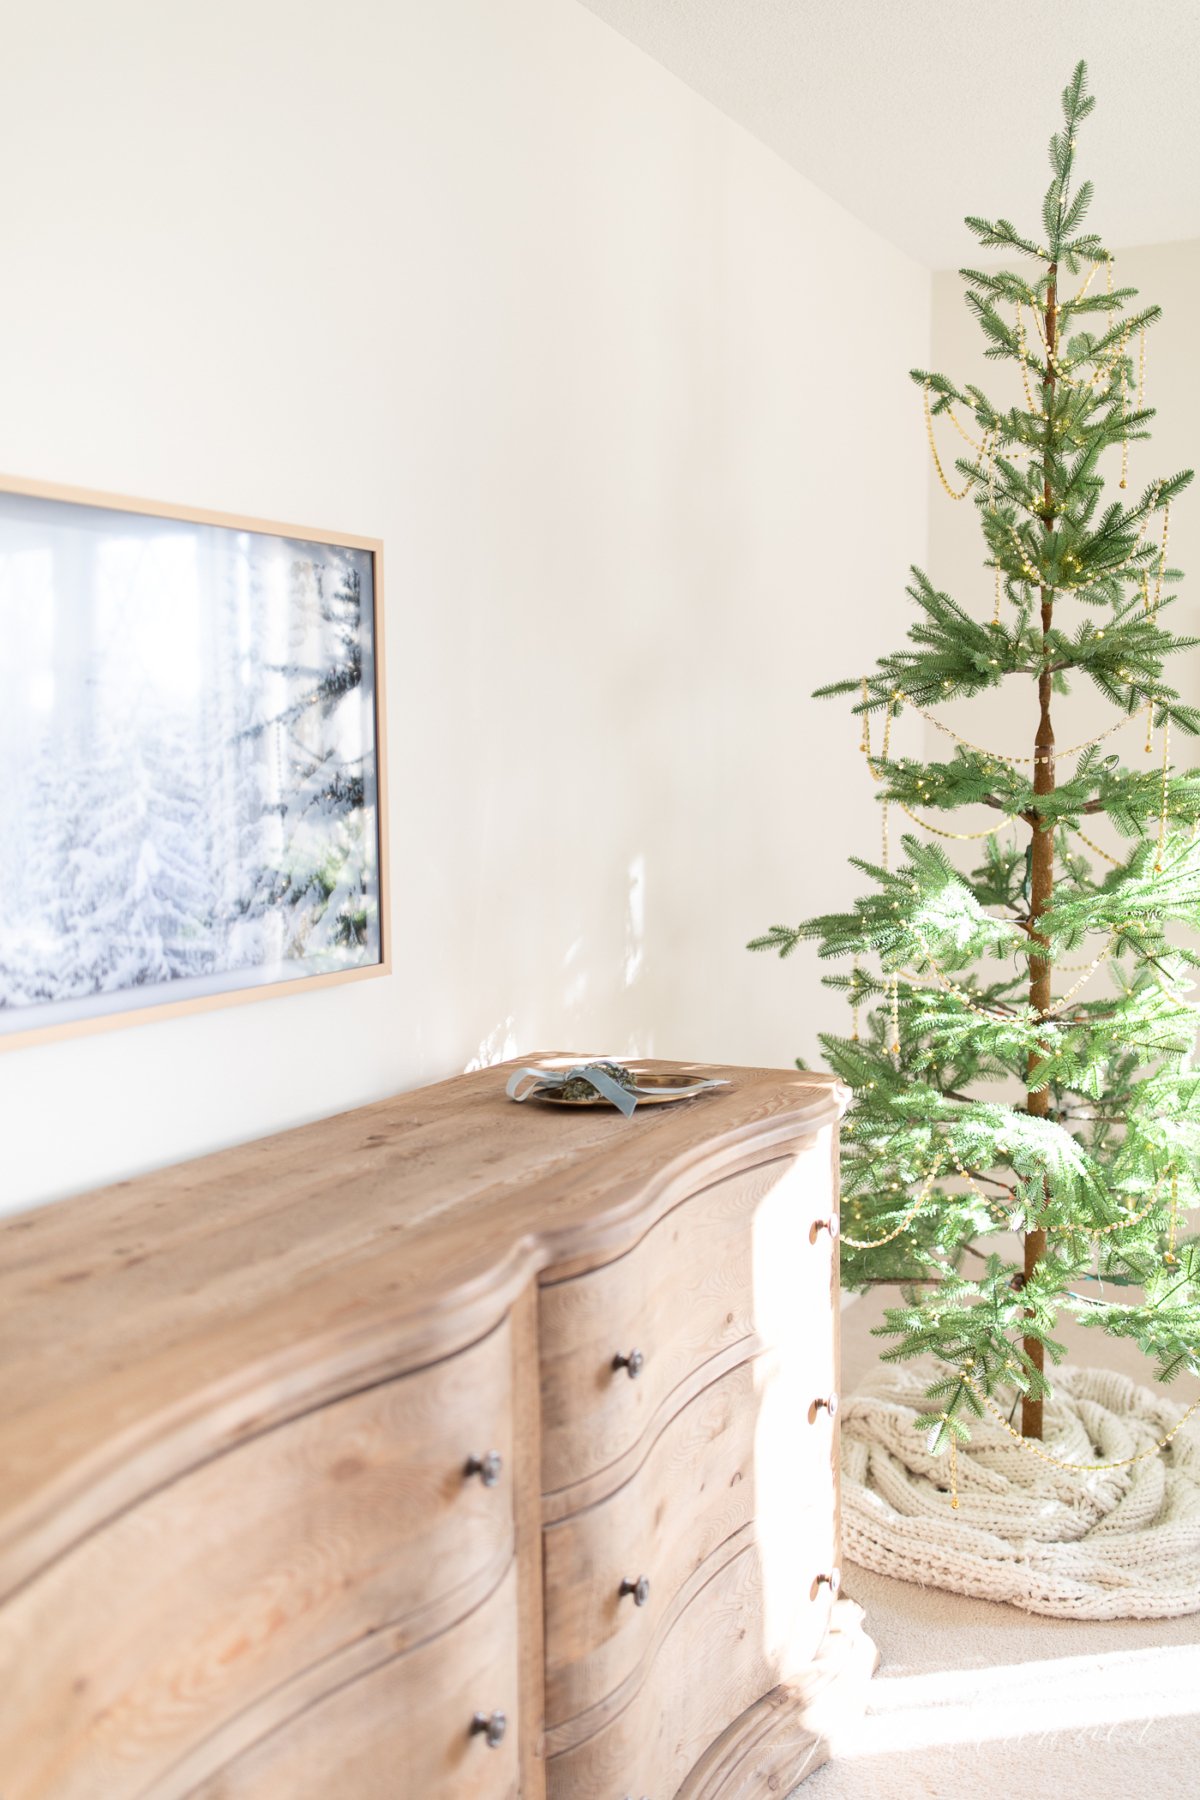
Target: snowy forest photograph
{"points": [[188, 741]]}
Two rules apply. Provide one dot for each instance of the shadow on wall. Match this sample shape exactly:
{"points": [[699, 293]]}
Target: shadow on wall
{"points": [[587, 1011]]}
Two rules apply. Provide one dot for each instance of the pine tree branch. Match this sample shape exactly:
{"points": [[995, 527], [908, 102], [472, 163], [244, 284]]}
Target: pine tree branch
{"points": [[867, 1281], [1111, 1102]]}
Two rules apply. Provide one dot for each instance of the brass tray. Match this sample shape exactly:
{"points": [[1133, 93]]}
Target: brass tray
{"points": [[653, 1089]]}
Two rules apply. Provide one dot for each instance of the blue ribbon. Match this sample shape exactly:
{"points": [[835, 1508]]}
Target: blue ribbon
{"points": [[624, 1098], [534, 1080]]}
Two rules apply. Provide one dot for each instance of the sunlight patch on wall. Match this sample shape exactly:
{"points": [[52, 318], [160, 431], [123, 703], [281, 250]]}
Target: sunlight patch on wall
{"points": [[635, 920], [575, 991], [498, 1046]]}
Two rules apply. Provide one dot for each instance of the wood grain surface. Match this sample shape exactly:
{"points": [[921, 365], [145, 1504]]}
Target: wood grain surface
{"points": [[241, 1557], [737, 1266], [681, 1296], [160, 1636], [526, 1470], [785, 1735], [754, 1449], [716, 1661], [694, 1490], [150, 1326], [403, 1731]]}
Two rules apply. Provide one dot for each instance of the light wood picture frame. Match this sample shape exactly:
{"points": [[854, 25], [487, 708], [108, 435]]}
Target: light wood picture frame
{"points": [[192, 760]]}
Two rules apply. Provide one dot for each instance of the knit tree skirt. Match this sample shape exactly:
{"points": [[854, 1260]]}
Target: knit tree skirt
{"points": [[1122, 1543]]}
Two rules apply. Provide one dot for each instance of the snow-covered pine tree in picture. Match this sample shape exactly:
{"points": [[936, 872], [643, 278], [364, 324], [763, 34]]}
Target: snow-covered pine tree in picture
{"points": [[119, 891], [324, 873], [180, 890], [188, 731]]}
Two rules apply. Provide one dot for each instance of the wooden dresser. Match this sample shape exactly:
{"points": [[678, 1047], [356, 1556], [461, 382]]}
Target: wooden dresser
{"points": [[444, 1450]]}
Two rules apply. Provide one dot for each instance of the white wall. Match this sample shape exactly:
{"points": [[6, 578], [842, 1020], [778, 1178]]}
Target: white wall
{"points": [[1166, 274], [614, 385]]}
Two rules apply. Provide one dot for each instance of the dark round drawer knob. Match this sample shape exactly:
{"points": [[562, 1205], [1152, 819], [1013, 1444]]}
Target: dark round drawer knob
{"points": [[830, 1405], [640, 1589], [832, 1225], [634, 1363], [492, 1726], [833, 1580], [486, 1467]]}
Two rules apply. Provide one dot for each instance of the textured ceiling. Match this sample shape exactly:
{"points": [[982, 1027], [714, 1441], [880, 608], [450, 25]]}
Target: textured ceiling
{"points": [[912, 113]]}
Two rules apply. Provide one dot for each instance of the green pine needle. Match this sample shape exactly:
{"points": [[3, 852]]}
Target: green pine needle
{"points": [[1081, 1117]]}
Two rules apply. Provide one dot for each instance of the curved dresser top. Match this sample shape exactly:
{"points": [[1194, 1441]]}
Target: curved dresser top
{"points": [[149, 1326]]}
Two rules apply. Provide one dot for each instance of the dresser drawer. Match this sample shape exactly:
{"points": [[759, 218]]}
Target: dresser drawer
{"points": [[742, 1263], [404, 1731], [736, 1640], [236, 1581], [702, 1482]]}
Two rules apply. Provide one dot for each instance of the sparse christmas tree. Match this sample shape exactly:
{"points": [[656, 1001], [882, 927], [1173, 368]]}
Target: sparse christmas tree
{"points": [[1026, 1063]]}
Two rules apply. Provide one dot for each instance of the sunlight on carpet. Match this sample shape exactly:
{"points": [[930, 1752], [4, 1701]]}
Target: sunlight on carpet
{"points": [[1060, 1694]]}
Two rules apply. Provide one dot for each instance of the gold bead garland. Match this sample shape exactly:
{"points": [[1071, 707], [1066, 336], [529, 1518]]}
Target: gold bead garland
{"points": [[1170, 1255], [1162, 810], [1135, 1218], [981, 445], [1096, 267], [884, 752], [959, 837], [1102, 373], [1046, 1456], [1003, 756], [1037, 579], [1023, 359], [1013, 453], [1001, 1215], [995, 559], [954, 493], [985, 447], [1104, 366], [953, 987], [923, 1195], [1115, 366], [1160, 984], [1162, 559], [940, 977], [1089, 970], [1093, 845], [1124, 411]]}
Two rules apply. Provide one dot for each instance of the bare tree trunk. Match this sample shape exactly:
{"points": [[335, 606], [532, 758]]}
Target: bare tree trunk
{"points": [[1042, 861]]}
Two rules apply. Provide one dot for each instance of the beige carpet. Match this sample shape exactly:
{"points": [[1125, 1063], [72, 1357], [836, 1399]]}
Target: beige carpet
{"points": [[974, 1699]]}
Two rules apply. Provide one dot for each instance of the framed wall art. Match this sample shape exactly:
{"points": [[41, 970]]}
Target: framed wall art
{"points": [[192, 756]]}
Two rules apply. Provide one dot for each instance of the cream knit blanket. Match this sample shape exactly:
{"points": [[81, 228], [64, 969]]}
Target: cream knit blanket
{"points": [[1120, 1544]]}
